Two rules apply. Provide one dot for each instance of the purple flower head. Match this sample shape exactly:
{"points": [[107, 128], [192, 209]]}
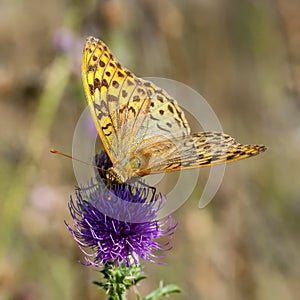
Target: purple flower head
{"points": [[117, 223]]}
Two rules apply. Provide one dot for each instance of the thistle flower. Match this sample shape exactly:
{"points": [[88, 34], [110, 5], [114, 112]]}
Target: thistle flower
{"points": [[118, 222]]}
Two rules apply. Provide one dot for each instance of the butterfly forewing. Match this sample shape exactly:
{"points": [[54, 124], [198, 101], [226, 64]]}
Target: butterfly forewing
{"points": [[111, 91], [127, 110]]}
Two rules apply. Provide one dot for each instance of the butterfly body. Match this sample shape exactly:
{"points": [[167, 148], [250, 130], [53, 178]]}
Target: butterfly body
{"points": [[142, 128]]}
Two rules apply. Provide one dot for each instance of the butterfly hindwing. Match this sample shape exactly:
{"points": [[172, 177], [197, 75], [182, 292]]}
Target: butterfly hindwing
{"points": [[194, 151]]}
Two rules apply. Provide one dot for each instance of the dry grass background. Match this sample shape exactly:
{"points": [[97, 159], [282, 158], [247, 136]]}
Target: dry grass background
{"points": [[242, 56]]}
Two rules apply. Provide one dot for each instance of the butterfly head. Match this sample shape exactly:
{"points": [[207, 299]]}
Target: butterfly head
{"points": [[124, 170]]}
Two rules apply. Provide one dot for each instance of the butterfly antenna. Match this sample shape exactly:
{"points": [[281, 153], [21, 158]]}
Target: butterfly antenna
{"points": [[73, 158], [69, 156]]}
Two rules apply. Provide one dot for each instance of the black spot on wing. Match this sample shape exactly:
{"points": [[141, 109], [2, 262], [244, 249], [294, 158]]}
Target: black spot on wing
{"points": [[97, 83], [170, 108], [120, 74], [91, 87], [153, 118], [132, 110], [161, 128], [115, 84], [159, 98], [104, 83], [108, 125], [112, 98]]}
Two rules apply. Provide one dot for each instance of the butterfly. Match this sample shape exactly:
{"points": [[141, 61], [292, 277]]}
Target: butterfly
{"points": [[142, 128]]}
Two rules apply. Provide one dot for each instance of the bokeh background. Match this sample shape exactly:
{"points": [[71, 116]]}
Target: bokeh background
{"points": [[242, 56]]}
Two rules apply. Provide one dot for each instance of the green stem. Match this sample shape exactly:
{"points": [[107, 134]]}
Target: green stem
{"points": [[118, 279]]}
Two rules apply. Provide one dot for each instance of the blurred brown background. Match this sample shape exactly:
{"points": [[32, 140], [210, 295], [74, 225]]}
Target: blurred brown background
{"points": [[242, 56]]}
